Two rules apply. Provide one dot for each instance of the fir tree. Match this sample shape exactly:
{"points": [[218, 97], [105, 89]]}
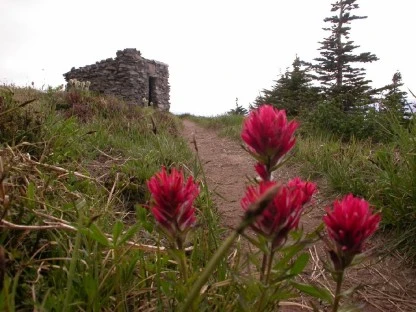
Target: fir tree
{"points": [[395, 100], [292, 92], [340, 80], [238, 110], [258, 101]]}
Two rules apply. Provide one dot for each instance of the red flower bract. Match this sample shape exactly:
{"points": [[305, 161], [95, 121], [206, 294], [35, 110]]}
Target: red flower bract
{"points": [[172, 201], [350, 223], [262, 171], [307, 188], [283, 213], [268, 134]]}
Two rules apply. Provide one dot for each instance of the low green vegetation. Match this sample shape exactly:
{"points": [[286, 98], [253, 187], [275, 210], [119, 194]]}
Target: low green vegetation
{"points": [[383, 173], [228, 125], [75, 232]]}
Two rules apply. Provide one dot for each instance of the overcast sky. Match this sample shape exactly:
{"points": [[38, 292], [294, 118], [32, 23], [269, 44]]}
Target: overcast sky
{"points": [[216, 50]]}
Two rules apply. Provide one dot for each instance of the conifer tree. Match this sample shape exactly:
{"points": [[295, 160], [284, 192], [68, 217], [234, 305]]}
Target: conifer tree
{"points": [[335, 69], [238, 110], [292, 91], [395, 100]]}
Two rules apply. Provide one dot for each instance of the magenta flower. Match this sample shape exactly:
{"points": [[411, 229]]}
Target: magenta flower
{"points": [[268, 135], [262, 171], [349, 224], [283, 213], [308, 189], [172, 202]]}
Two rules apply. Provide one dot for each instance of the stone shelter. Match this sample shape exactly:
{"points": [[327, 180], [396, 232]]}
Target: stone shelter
{"points": [[129, 76]]}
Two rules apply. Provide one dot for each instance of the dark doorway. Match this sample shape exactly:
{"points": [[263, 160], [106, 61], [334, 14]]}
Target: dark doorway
{"points": [[152, 89]]}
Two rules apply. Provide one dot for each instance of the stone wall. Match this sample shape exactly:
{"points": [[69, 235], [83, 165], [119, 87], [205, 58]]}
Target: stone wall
{"points": [[129, 76]]}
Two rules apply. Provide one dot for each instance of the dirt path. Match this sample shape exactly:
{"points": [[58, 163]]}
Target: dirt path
{"points": [[227, 167], [391, 286]]}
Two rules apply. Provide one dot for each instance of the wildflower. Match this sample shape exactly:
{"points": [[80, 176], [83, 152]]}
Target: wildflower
{"points": [[349, 224], [308, 189], [262, 171], [268, 135], [283, 213], [172, 202]]}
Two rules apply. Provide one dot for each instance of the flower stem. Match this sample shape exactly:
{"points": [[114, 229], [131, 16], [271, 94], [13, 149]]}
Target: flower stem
{"points": [[206, 273], [269, 267], [266, 268], [263, 266], [181, 256], [339, 280], [183, 266], [251, 214]]}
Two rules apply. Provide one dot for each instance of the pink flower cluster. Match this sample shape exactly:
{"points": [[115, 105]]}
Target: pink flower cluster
{"points": [[172, 201], [268, 136], [350, 223], [283, 212]]}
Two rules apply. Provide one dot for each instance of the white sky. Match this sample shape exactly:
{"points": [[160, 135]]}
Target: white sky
{"points": [[216, 50]]}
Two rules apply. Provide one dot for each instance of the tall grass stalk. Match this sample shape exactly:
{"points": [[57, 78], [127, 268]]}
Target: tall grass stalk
{"points": [[381, 172], [251, 214], [71, 272]]}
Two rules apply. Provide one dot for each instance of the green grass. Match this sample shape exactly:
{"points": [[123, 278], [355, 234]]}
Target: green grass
{"points": [[76, 232], [382, 173], [227, 125], [77, 235], [79, 163]]}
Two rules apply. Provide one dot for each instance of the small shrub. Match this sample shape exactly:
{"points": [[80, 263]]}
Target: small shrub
{"points": [[329, 118]]}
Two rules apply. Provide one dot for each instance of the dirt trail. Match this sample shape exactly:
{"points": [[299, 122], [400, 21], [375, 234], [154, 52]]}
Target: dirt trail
{"points": [[227, 167], [391, 286]]}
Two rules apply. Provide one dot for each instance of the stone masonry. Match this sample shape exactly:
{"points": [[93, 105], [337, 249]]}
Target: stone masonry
{"points": [[128, 76]]}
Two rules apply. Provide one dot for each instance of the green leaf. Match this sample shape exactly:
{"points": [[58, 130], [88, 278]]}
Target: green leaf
{"points": [[129, 233], [117, 229], [30, 193], [141, 213], [90, 286], [142, 219], [96, 234], [314, 291], [300, 264], [288, 253]]}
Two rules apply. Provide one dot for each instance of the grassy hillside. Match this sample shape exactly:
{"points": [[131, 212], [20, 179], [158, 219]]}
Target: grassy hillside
{"points": [[73, 172], [77, 234]]}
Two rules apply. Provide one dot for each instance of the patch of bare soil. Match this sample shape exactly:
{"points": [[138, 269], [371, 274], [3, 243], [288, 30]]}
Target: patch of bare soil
{"points": [[390, 285]]}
